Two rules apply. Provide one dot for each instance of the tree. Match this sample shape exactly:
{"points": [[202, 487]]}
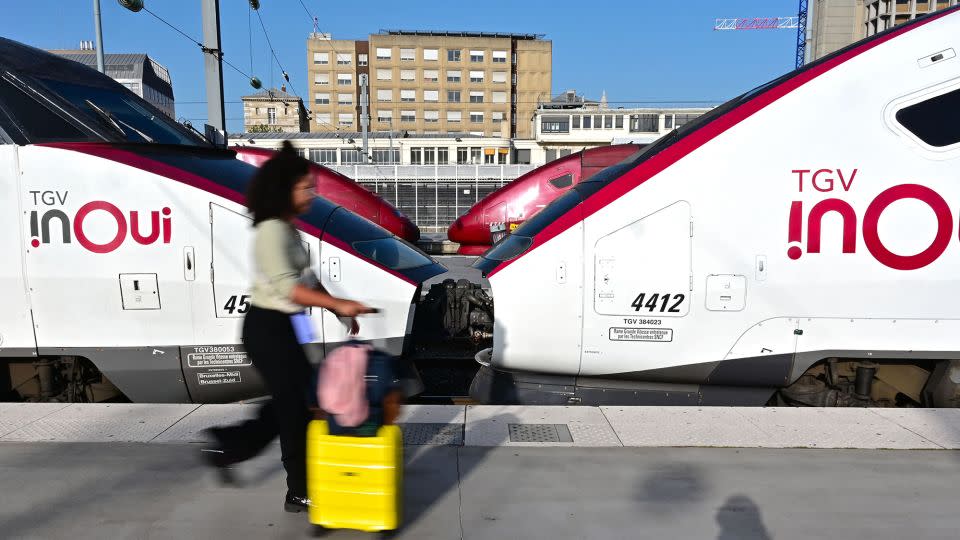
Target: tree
{"points": [[263, 128]]}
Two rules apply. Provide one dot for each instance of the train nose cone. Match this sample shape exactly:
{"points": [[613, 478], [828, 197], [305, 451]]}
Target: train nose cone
{"points": [[453, 232]]}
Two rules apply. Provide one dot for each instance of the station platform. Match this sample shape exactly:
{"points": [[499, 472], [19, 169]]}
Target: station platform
{"points": [[491, 472]]}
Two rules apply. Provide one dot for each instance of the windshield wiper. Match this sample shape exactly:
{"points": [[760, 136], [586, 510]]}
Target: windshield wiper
{"points": [[115, 122], [187, 124], [104, 115]]}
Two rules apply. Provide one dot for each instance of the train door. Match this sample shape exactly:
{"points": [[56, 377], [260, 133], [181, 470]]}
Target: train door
{"points": [[16, 326], [638, 283]]}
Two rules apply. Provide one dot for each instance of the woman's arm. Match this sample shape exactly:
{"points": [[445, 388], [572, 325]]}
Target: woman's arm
{"points": [[305, 296]]}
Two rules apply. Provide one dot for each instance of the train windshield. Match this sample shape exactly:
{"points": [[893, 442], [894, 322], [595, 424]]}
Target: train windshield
{"points": [[123, 113], [375, 243]]}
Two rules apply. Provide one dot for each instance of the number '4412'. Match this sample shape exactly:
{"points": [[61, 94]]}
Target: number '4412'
{"points": [[658, 302]]}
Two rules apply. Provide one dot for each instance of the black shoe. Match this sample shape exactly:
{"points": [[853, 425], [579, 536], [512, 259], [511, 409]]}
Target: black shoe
{"points": [[295, 504], [216, 457]]}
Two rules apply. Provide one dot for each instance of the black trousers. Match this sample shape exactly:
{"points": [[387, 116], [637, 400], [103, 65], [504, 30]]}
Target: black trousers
{"points": [[282, 363]]}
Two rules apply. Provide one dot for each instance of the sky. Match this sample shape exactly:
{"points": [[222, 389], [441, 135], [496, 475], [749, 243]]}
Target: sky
{"points": [[637, 51]]}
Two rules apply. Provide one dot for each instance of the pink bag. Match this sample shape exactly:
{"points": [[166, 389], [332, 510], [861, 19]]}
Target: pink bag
{"points": [[342, 390]]}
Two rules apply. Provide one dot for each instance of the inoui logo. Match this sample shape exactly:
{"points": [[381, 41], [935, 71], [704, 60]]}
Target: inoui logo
{"points": [[41, 221]]}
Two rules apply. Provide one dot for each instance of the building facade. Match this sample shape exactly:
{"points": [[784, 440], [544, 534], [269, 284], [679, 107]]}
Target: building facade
{"points": [[834, 24], [144, 76], [274, 110], [484, 84]]}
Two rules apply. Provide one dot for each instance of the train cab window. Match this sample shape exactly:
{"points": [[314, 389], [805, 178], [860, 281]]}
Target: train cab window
{"points": [[562, 182], [935, 121], [20, 113], [375, 243], [123, 113]]}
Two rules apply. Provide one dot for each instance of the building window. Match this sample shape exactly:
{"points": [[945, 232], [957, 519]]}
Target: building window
{"points": [[351, 156], [586, 122], [384, 116], [443, 156], [345, 99], [385, 95], [408, 116], [476, 56], [344, 59], [499, 57], [431, 55], [408, 95], [386, 156], [555, 124], [576, 121], [431, 95], [644, 123], [431, 117], [408, 74], [323, 155], [668, 121], [475, 154], [323, 118], [597, 121], [497, 117], [454, 117], [453, 55], [489, 156], [416, 156], [362, 59], [619, 121], [384, 74], [476, 76], [344, 79], [345, 119], [431, 75], [321, 99], [476, 97], [453, 76], [321, 58], [384, 53], [453, 96], [476, 117], [461, 156], [681, 119], [499, 97], [500, 76], [608, 122], [514, 58], [408, 55], [321, 78], [271, 116], [429, 156]]}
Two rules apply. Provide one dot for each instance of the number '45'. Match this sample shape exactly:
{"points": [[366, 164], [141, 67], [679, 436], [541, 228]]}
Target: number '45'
{"points": [[657, 300], [231, 304]]}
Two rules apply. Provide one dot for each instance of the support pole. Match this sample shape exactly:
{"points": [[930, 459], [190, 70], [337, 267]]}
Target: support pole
{"points": [[99, 35], [364, 118], [213, 68]]}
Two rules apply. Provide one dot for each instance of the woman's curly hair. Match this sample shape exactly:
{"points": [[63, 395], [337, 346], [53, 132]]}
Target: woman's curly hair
{"points": [[270, 194]]}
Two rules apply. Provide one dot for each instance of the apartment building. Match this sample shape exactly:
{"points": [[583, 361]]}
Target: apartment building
{"points": [[834, 24], [273, 110], [430, 83]]}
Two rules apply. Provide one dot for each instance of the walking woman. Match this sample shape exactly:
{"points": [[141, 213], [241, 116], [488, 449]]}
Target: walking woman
{"points": [[283, 287]]}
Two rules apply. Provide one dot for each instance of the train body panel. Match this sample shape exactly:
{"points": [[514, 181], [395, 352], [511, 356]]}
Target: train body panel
{"points": [[713, 260], [523, 197], [16, 326]]}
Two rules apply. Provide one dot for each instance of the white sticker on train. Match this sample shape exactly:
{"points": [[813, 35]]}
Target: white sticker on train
{"points": [[641, 334]]}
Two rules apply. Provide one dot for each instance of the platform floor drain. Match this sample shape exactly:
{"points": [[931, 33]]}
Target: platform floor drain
{"points": [[534, 433], [415, 434]]}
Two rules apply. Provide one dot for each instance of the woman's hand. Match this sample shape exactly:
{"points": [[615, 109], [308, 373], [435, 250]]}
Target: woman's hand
{"points": [[349, 308]]}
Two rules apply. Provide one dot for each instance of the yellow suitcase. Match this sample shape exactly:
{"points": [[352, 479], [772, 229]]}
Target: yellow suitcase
{"points": [[354, 482]]}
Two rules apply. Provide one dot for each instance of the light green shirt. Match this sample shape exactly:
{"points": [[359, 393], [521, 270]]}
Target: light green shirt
{"points": [[280, 262]]}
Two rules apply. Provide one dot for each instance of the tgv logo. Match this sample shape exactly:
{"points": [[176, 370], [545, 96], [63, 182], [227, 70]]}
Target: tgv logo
{"points": [[823, 181], [41, 221]]}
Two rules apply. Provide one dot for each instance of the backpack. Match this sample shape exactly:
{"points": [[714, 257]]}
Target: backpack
{"points": [[357, 383]]}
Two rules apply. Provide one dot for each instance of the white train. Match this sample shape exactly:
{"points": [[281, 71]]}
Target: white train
{"points": [[125, 242], [799, 243]]}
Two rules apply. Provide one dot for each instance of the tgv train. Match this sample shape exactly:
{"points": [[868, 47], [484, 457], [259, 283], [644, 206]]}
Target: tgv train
{"points": [[522, 198], [798, 244], [343, 191], [126, 248]]}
